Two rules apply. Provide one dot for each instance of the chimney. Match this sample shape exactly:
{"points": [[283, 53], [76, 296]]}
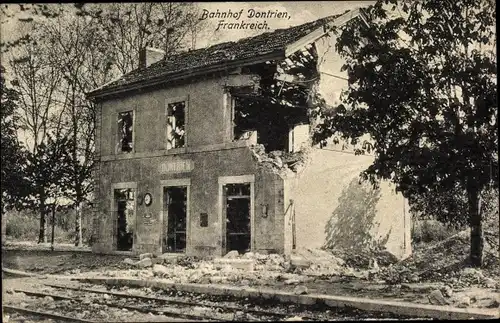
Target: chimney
{"points": [[149, 55]]}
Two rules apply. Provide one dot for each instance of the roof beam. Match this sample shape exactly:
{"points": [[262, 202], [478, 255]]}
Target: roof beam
{"points": [[321, 31]]}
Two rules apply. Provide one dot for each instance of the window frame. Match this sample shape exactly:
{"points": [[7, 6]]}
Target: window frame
{"points": [[168, 102], [118, 150]]}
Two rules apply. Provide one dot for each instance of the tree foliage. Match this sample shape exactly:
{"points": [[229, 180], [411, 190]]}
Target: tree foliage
{"points": [[12, 152], [422, 85]]}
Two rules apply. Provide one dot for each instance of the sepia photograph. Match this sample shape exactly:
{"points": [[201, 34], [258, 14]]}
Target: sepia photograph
{"points": [[249, 161]]}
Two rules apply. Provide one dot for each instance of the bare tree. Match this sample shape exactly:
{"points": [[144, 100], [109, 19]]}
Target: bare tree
{"points": [[37, 84], [129, 27], [78, 49]]}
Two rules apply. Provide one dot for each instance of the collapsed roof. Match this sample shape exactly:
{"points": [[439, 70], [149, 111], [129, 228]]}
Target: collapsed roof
{"points": [[267, 46]]}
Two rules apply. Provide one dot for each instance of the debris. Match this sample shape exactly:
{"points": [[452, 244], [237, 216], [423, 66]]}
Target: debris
{"points": [[294, 318], [145, 255], [160, 270], [489, 283], [129, 261], [421, 287], [291, 281], [300, 290], [168, 258], [217, 279], [437, 298], [447, 291], [233, 254], [239, 316], [244, 264], [297, 261], [248, 255], [48, 299], [157, 261], [143, 263], [487, 302], [463, 302]]}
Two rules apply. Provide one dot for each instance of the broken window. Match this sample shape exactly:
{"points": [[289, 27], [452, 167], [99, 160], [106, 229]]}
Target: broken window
{"points": [[125, 131], [269, 122], [272, 111], [176, 125]]}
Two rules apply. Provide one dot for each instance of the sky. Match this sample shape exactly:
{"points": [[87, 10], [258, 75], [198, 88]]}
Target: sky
{"points": [[298, 12]]}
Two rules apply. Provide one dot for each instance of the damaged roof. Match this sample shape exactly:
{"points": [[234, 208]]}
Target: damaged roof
{"points": [[267, 46]]}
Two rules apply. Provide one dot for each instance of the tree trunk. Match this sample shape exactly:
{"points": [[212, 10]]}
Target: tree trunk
{"points": [[78, 225], [4, 224], [476, 228], [42, 237], [53, 227]]}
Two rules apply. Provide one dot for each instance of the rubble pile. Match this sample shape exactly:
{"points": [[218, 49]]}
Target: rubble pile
{"points": [[246, 269], [447, 262], [366, 258], [279, 162]]}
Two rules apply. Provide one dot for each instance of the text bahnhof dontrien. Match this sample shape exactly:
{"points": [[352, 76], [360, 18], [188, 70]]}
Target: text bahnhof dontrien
{"points": [[236, 15]]}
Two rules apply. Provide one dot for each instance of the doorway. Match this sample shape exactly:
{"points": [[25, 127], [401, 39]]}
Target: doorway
{"points": [[175, 218], [237, 217], [125, 218]]}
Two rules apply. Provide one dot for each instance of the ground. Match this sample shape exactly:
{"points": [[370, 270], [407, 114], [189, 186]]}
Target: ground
{"points": [[435, 274]]}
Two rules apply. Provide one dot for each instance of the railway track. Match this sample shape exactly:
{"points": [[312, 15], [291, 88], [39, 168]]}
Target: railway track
{"points": [[100, 304], [163, 309], [35, 315]]}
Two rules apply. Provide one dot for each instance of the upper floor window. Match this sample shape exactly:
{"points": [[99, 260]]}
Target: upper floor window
{"points": [[126, 131], [176, 122]]}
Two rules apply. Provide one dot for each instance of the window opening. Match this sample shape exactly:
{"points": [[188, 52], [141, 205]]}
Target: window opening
{"points": [[125, 131], [176, 125]]}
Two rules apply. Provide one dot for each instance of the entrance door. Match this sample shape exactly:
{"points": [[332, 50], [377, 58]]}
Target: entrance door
{"points": [[175, 218], [237, 214], [125, 218]]}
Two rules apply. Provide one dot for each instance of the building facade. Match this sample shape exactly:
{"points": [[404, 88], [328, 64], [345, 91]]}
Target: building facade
{"points": [[198, 153]]}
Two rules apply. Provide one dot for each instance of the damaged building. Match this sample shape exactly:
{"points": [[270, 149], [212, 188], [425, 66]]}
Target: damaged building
{"points": [[209, 151]]}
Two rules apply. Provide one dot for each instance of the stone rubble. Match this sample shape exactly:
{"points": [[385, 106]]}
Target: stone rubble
{"points": [[307, 265], [300, 290], [437, 298]]}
